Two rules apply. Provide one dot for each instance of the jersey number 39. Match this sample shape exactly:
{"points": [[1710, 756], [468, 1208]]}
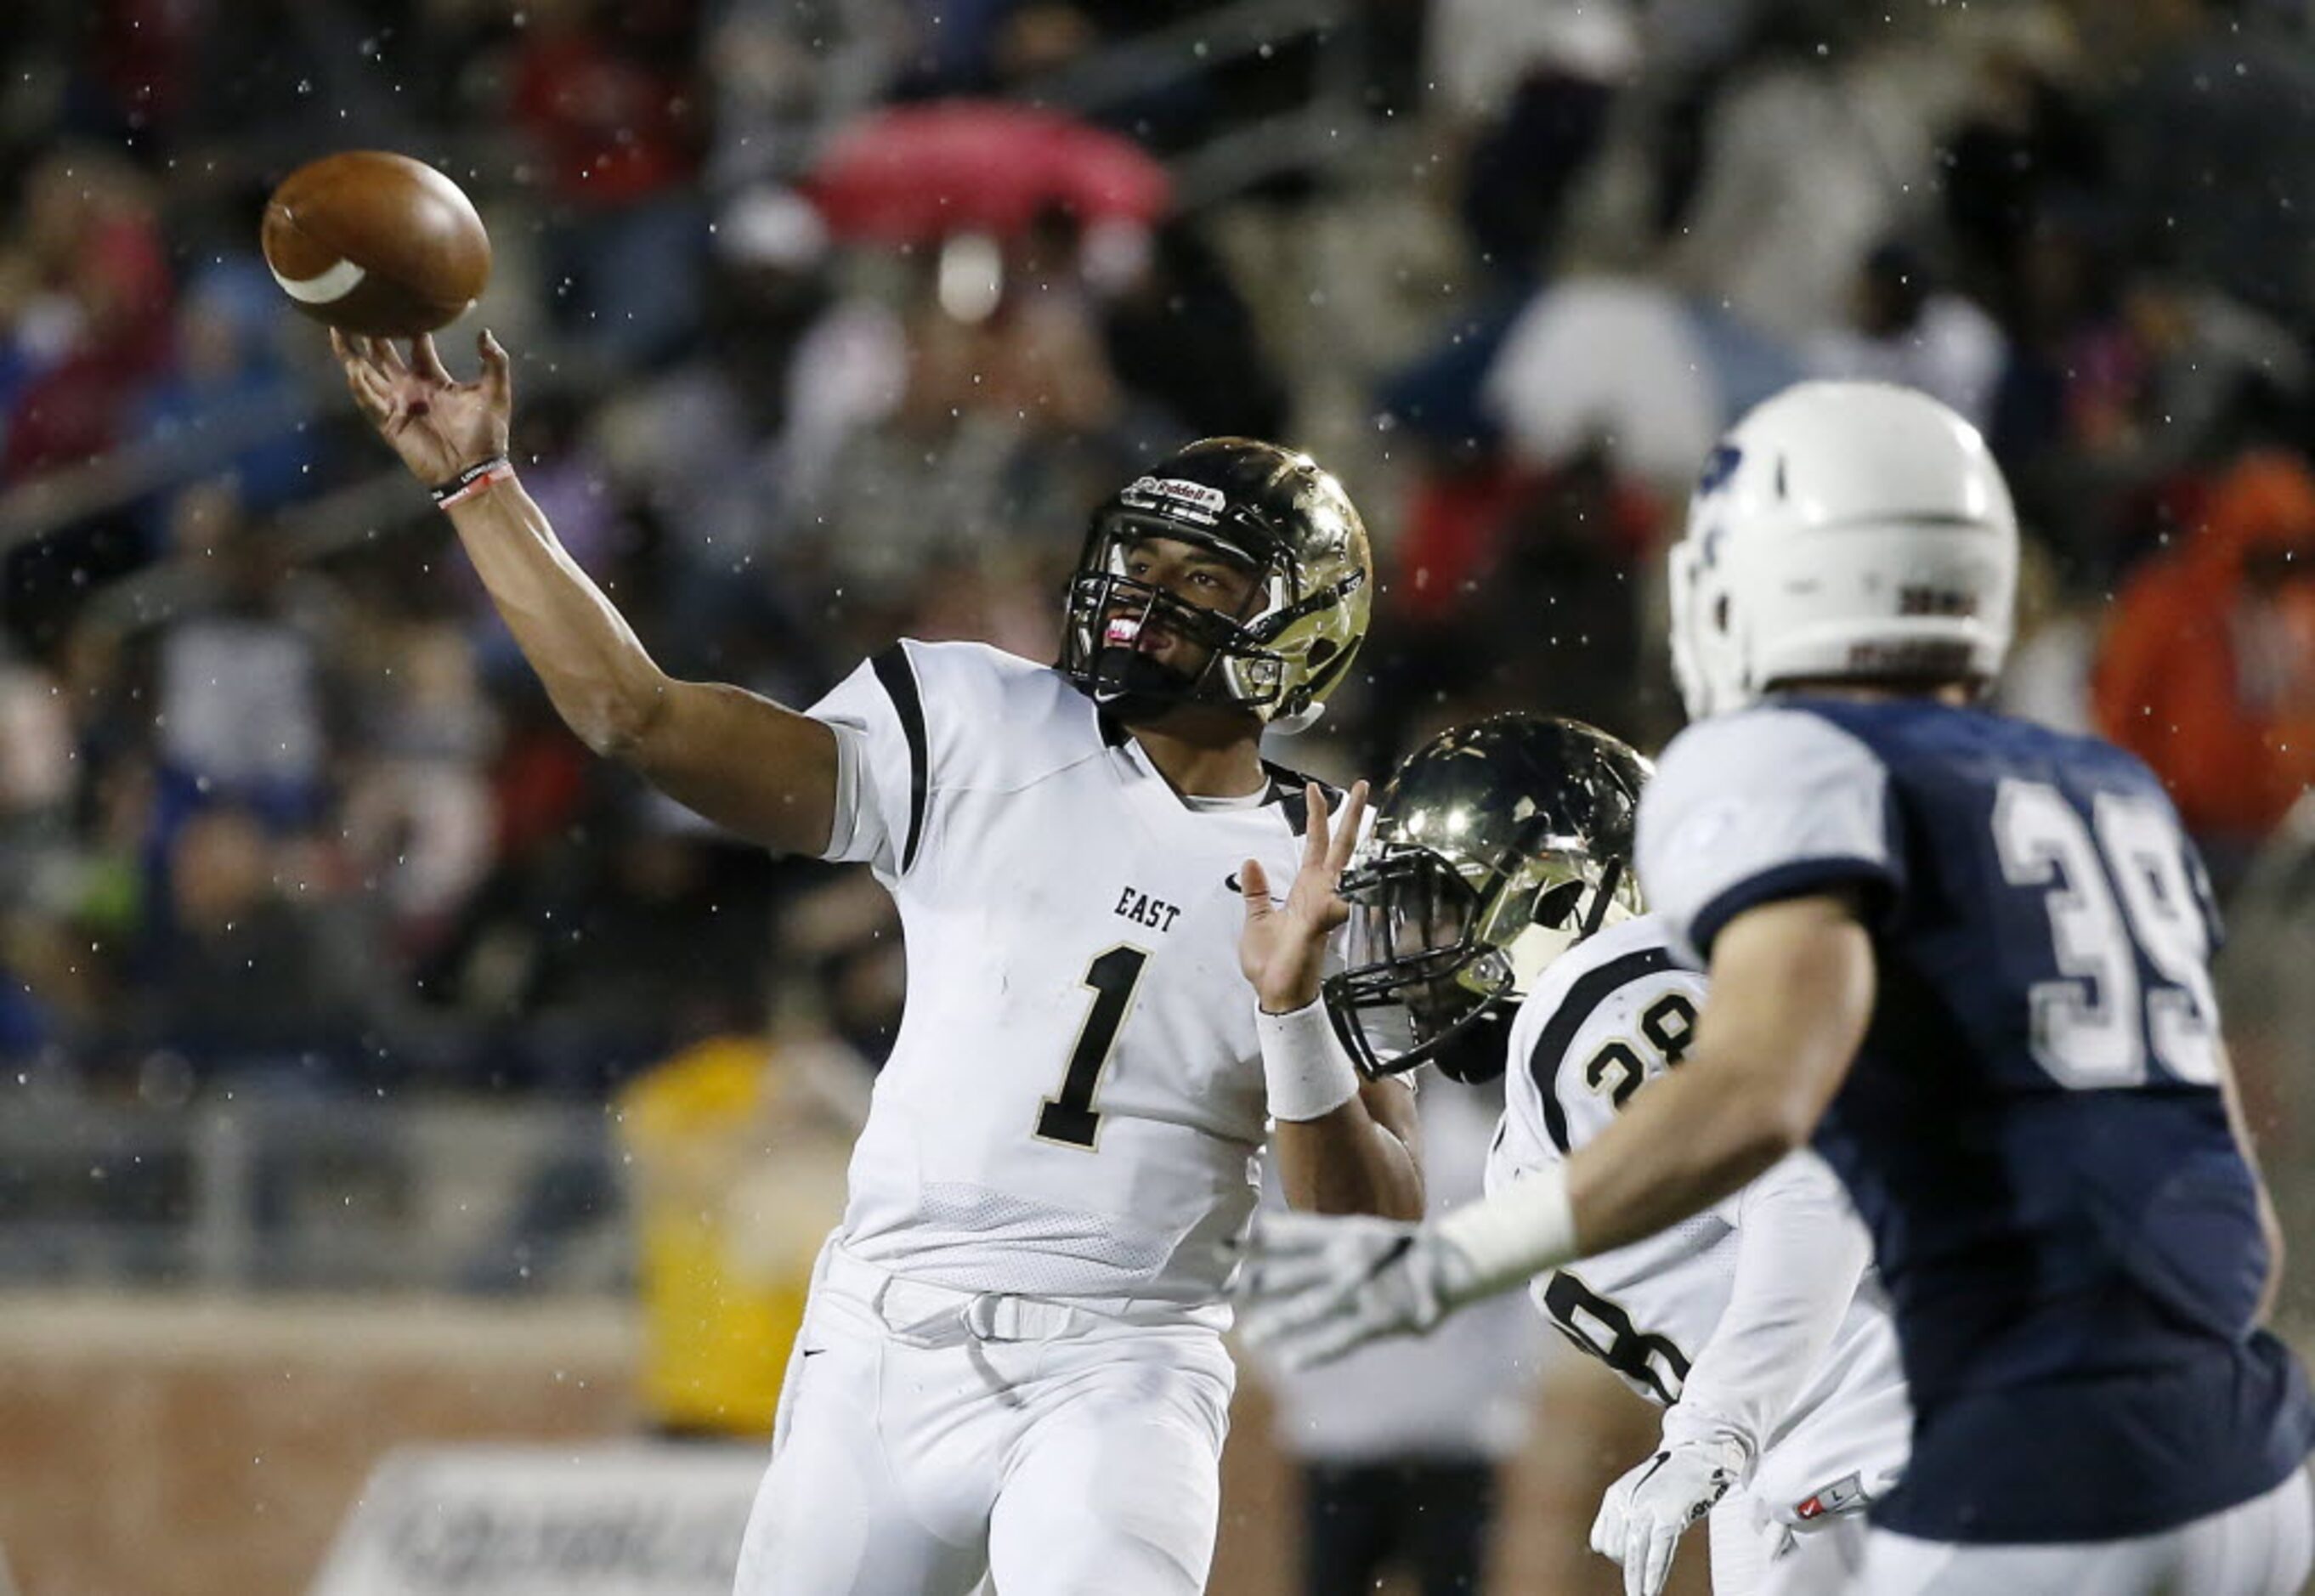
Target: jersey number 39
{"points": [[2095, 1025]]}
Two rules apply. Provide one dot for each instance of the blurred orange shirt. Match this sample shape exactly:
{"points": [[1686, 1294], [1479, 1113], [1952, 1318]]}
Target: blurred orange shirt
{"points": [[2207, 668]]}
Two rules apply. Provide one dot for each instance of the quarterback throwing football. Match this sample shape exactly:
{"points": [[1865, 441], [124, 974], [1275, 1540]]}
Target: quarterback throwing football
{"points": [[1012, 1361]]}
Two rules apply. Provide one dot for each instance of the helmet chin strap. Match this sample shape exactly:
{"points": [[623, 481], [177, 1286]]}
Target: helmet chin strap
{"points": [[1131, 687], [1602, 897], [1302, 720]]}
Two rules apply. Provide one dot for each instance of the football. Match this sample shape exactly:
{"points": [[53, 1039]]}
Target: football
{"points": [[375, 242]]}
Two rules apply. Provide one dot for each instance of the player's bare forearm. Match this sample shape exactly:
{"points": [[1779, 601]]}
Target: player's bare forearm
{"points": [[1358, 1159], [1792, 992], [602, 682], [742, 761]]}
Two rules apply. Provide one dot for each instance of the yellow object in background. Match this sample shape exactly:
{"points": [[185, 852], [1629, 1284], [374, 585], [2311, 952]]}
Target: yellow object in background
{"points": [[736, 1151]]}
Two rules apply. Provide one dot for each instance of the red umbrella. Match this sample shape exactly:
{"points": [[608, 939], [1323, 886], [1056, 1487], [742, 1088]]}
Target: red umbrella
{"points": [[913, 173]]}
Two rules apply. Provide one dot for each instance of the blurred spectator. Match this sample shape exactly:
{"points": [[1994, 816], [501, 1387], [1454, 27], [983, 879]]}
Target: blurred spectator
{"points": [[784, 74], [2208, 669], [2026, 135], [2047, 676], [2067, 416], [591, 950], [608, 91], [1813, 152], [2222, 376], [736, 1148], [95, 318], [1903, 327], [1526, 87], [139, 73], [1616, 361], [265, 971], [1514, 588], [1180, 333], [225, 372], [419, 817], [2215, 153], [803, 348], [1009, 430], [240, 696]]}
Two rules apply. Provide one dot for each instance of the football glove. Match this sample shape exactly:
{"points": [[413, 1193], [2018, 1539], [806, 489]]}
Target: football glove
{"points": [[1644, 1513], [1314, 1286]]}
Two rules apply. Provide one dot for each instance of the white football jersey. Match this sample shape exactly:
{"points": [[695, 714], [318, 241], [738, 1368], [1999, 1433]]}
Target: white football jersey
{"points": [[1074, 1106], [1610, 1014]]}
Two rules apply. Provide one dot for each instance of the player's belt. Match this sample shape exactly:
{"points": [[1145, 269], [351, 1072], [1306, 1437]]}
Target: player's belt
{"points": [[923, 1313]]}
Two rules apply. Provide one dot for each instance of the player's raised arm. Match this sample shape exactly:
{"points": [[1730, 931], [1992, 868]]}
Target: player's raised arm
{"points": [[766, 772], [1344, 1145]]}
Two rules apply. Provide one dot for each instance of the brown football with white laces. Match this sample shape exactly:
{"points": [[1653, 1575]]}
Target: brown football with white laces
{"points": [[375, 242]]}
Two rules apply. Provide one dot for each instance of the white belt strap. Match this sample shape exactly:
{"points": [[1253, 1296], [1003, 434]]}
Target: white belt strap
{"points": [[923, 1313]]}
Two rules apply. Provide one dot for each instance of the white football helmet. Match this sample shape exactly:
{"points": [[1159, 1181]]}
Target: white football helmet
{"points": [[1842, 530]]}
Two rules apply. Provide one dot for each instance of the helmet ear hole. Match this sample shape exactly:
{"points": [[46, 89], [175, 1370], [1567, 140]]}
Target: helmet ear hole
{"points": [[1554, 906]]}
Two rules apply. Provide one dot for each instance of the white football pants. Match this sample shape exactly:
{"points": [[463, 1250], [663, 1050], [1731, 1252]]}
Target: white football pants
{"points": [[927, 1436], [2265, 1547]]}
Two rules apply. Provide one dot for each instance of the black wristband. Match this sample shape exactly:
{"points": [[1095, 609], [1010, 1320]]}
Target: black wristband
{"points": [[471, 481]]}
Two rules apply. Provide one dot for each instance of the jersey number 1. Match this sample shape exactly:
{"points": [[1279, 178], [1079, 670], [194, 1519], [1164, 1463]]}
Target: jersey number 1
{"points": [[1070, 1118]]}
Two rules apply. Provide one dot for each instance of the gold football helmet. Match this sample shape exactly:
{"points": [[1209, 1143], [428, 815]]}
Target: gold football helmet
{"points": [[1495, 848], [1274, 510]]}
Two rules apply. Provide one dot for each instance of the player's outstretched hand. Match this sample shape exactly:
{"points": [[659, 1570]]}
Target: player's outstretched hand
{"points": [[1283, 948], [1314, 1286], [1644, 1513], [439, 425]]}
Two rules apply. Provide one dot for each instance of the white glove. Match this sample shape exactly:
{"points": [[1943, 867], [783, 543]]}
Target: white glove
{"points": [[1314, 1286], [1643, 1515]]}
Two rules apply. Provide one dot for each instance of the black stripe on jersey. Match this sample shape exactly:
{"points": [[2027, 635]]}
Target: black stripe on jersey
{"points": [[1286, 791], [900, 681], [1592, 988]]}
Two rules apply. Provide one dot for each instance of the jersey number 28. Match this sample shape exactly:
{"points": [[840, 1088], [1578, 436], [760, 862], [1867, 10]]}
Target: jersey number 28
{"points": [[2095, 1025]]}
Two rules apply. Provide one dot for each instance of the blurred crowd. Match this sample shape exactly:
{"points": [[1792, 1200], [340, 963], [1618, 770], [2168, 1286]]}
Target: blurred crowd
{"points": [[833, 319]]}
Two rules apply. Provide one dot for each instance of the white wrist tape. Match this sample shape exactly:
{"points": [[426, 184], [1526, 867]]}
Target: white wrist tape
{"points": [[1308, 1070], [1520, 1231]]}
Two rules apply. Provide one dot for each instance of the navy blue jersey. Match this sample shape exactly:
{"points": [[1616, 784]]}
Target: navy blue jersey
{"points": [[2033, 1129]]}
